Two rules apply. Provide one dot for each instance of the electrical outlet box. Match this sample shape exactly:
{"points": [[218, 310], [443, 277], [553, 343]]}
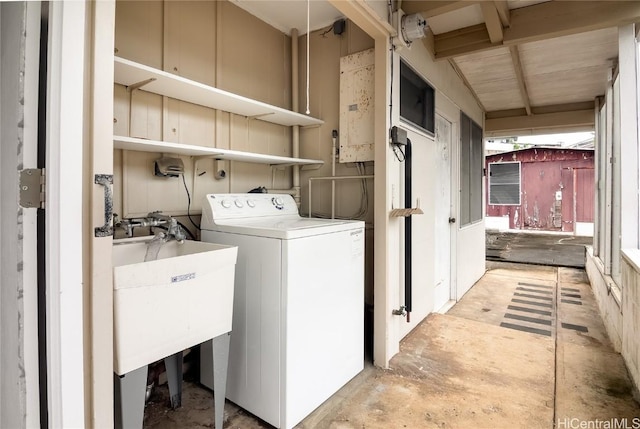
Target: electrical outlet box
{"points": [[398, 136]]}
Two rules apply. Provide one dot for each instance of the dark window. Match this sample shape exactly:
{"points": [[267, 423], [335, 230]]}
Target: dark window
{"points": [[504, 183], [417, 99], [471, 165]]}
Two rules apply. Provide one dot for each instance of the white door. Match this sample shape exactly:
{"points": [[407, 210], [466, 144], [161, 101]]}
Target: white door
{"points": [[442, 233]]}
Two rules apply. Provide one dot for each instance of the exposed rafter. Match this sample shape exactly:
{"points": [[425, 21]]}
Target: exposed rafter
{"points": [[503, 10], [463, 41], [517, 66], [492, 21], [540, 110], [560, 117], [539, 22], [364, 17]]}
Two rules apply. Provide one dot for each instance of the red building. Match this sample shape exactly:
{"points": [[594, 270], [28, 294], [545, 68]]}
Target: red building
{"points": [[541, 188]]}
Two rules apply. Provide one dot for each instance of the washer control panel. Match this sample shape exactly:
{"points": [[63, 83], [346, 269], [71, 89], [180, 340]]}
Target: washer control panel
{"points": [[233, 206]]}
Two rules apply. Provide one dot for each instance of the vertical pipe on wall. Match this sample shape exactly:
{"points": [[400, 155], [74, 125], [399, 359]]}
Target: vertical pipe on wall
{"points": [[334, 136], [597, 194], [407, 233], [295, 133]]}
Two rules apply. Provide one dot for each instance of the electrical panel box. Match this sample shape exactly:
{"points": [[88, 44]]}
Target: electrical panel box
{"points": [[357, 107]]}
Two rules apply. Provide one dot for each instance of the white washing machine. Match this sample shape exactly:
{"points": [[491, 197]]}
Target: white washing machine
{"points": [[298, 314]]}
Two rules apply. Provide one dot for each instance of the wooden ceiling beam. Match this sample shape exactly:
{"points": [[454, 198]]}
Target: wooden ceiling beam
{"points": [[503, 11], [555, 19], [432, 8], [538, 110], [549, 121], [517, 66], [492, 21], [462, 41], [540, 22]]}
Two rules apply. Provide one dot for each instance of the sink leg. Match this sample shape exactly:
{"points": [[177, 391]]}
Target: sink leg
{"points": [[129, 391], [220, 365], [173, 365]]}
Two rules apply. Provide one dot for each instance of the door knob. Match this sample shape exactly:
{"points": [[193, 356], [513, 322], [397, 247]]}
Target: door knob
{"points": [[452, 220]]}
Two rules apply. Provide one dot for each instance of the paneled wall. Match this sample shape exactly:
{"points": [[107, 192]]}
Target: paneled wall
{"points": [[218, 44], [221, 45]]}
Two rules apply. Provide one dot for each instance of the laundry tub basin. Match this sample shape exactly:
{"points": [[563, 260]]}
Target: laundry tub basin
{"points": [[182, 298]]}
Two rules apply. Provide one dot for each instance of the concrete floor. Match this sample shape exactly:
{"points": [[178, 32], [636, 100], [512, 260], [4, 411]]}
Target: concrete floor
{"points": [[525, 347]]}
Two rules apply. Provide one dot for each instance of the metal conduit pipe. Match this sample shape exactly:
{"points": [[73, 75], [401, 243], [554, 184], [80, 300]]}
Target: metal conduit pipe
{"points": [[295, 133], [334, 136]]}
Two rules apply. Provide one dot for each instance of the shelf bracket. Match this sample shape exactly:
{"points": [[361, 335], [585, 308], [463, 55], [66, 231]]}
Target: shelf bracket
{"points": [[137, 85], [217, 157], [310, 167], [260, 116]]}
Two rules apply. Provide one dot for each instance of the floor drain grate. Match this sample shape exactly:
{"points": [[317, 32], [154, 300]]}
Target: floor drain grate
{"points": [[578, 328], [534, 306], [526, 329], [538, 304]]}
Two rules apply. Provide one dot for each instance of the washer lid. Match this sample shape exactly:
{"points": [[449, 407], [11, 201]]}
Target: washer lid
{"points": [[285, 227]]}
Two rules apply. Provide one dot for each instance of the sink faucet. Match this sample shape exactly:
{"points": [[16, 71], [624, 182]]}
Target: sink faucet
{"points": [[170, 224], [174, 230]]}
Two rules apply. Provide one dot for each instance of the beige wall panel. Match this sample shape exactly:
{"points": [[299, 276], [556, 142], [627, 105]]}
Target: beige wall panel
{"points": [[139, 31], [265, 137], [143, 192], [206, 183], [238, 132], [254, 58], [146, 115], [356, 40], [120, 110], [311, 144], [189, 123], [325, 104], [246, 176], [223, 130], [350, 197], [260, 137], [190, 44]]}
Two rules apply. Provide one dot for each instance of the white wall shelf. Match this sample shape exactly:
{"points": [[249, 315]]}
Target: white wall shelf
{"points": [[143, 145], [135, 75]]}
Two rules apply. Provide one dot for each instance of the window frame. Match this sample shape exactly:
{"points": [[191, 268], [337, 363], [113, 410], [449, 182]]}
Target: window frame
{"points": [[429, 93], [490, 184], [471, 172]]}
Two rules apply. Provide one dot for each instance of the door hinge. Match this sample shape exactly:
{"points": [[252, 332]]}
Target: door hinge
{"points": [[32, 188]]}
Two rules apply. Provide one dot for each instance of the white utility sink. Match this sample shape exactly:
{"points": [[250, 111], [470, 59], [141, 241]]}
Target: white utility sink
{"points": [[181, 299]]}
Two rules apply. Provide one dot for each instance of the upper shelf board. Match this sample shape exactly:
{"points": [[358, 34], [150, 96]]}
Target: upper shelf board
{"points": [[143, 145], [129, 73]]}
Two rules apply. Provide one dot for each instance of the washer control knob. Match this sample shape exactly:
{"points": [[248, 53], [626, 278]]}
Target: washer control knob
{"points": [[239, 204], [251, 203], [226, 204], [277, 202]]}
